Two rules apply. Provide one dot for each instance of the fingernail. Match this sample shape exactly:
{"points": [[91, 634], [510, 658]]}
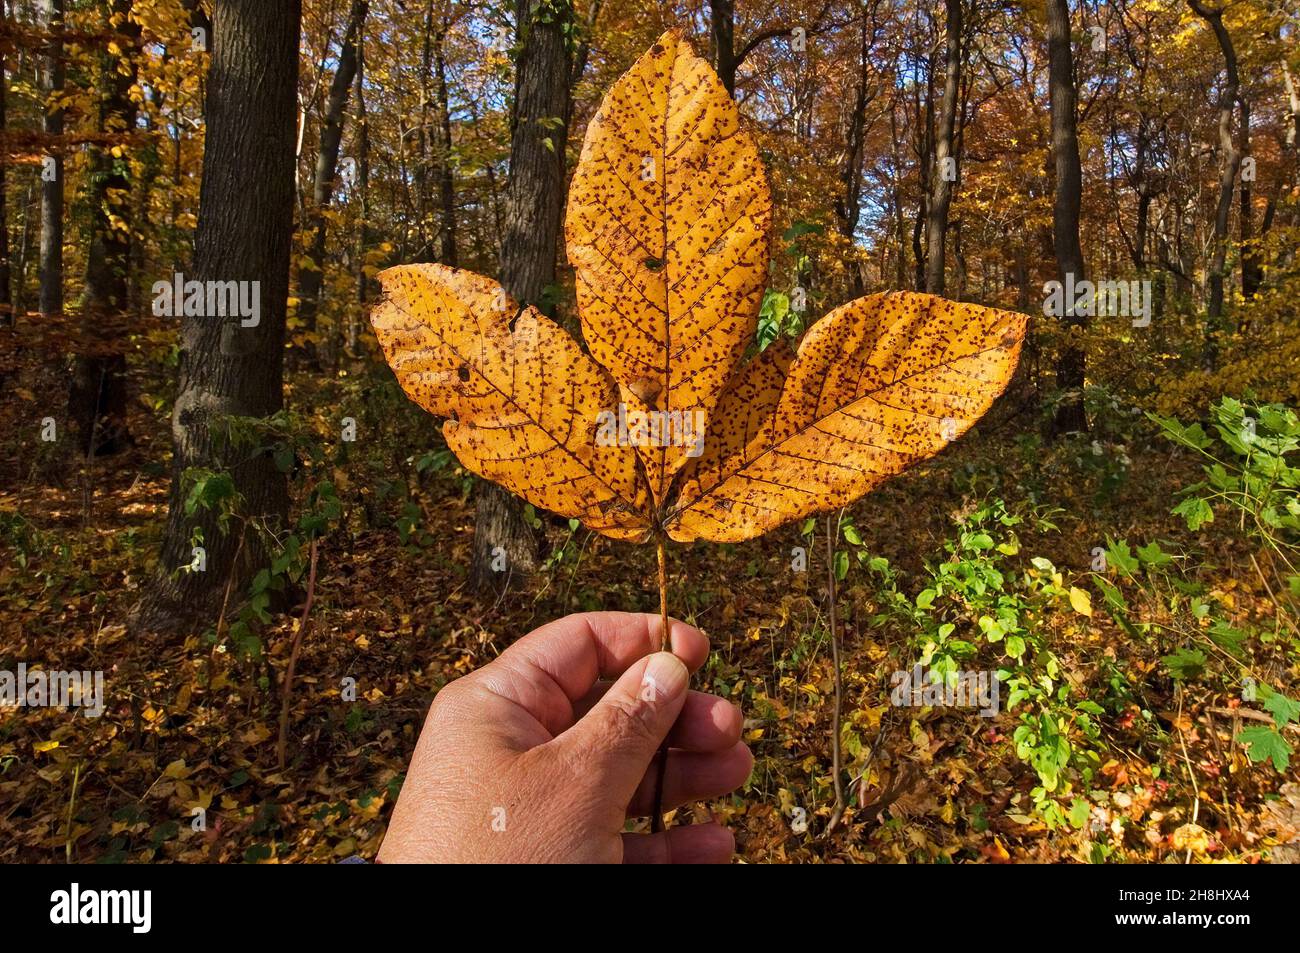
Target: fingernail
{"points": [[665, 677]]}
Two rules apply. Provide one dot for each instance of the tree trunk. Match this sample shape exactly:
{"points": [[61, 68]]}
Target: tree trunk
{"points": [[24, 248], [363, 197], [941, 178], [229, 366], [1070, 370], [52, 168], [423, 161], [722, 16], [446, 175], [1252, 270], [924, 168], [896, 187], [6, 294], [97, 393], [1227, 181], [311, 276], [534, 195], [848, 207]]}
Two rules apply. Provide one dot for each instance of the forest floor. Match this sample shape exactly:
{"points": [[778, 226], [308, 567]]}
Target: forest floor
{"points": [[189, 725]]}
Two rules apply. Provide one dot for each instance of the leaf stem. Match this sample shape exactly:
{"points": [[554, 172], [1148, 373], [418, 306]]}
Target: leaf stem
{"points": [[665, 645]]}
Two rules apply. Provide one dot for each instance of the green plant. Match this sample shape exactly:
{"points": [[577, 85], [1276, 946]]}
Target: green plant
{"points": [[985, 604]]}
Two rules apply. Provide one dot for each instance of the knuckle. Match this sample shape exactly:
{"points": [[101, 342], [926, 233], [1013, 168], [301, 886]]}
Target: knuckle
{"points": [[450, 699], [627, 718]]}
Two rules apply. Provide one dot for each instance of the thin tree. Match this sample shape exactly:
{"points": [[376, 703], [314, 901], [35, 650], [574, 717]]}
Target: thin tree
{"points": [[97, 391], [311, 276], [446, 173], [52, 76], [1070, 364], [1227, 179], [6, 294], [362, 194], [848, 205], [943, 172]]}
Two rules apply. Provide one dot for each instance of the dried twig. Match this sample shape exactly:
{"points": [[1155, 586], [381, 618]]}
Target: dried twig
{"points": [[832, 533], [287, 693]]}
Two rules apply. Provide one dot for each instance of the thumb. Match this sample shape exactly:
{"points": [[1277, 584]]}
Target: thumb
{"points": [[619, 736]]}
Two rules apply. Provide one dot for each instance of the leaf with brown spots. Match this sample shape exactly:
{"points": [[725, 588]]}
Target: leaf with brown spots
{"points": [[878, 384], [667, 230], [523, 402]]}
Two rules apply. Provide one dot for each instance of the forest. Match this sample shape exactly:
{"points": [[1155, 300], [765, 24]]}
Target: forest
{"points": [[1054, 619]]}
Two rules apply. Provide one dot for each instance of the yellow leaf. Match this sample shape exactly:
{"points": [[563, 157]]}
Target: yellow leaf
{"points": [[41, 747], [1190, 837], [1081, 600], [997, 851], [667, 230], [524, 401], [878, 385]]}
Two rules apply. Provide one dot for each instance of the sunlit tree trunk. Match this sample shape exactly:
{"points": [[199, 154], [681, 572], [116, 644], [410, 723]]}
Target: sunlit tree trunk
{"points": [[944, 164], [848, 207], [1070, 370], [363, 198], [1228, 178], [446, 174]]}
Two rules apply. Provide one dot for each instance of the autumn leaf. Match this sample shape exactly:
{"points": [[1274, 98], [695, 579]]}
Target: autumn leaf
{"points": [[667, 229], [523, 401], [877, 385]]}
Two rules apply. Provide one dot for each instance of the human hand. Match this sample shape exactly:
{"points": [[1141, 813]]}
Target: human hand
{"points": [[538, 758]]}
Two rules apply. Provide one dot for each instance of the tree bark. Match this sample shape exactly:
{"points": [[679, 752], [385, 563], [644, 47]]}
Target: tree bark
{"points": [[52, 75], [722, 17], [1070, 368], [6, 293], [363, 197], [1252, 269], [97, 392], [446, 174], [534, 196], [311, 276], [848, 207], [924, 168], [245, 233], [1227, 180], [941, 180]]}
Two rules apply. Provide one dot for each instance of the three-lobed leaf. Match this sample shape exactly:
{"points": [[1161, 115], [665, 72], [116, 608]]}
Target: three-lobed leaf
{"points": [[667, 230]]}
